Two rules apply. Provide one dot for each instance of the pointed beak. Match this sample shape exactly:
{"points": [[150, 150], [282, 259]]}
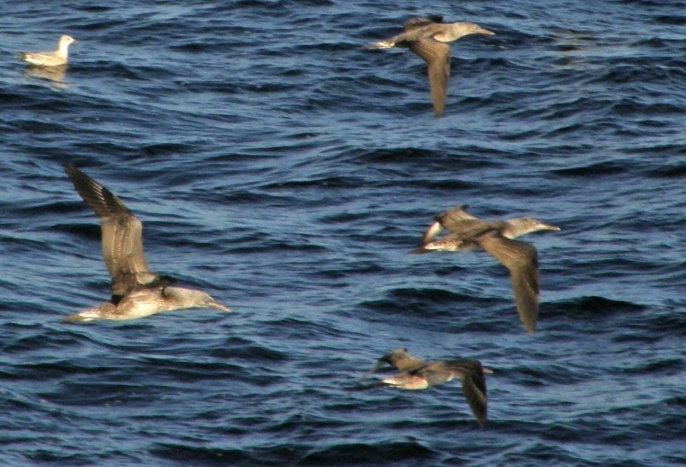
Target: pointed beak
{"points": [[485, 32], [543, 226], [217, 306]]}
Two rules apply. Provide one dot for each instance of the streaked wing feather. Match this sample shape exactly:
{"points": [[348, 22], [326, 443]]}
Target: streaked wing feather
{"points": [[122, 233], [474, 390], [405, 362], [522, 261], [454, 218], [437, 57]]}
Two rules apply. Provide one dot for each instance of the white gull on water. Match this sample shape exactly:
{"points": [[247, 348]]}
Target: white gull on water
{"points": [[57, 58]]}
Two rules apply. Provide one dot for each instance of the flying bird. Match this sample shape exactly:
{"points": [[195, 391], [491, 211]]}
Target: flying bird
{"points": [[136, 292], [416, 374], [429, 38], [467, 233]]}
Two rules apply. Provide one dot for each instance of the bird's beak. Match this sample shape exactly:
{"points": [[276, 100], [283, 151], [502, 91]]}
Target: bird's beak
{"points": [[485, 32], [543, 226], [217, 306]]}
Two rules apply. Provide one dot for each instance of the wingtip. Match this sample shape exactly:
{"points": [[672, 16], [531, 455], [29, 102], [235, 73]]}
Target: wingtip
{"points": [[218, 306], [378, 45], [530, 328], [77, 318], [72, 172], [433, 230], [371, 371]]}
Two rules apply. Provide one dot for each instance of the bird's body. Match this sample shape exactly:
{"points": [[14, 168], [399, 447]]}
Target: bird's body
{"points": [[145, 302], [467, 233], [136, 292], [59, 57], [429, 38], [416, 375]]}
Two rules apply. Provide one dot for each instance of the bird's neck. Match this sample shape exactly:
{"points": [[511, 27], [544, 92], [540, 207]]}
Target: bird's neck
{"points": [[63, 49]]}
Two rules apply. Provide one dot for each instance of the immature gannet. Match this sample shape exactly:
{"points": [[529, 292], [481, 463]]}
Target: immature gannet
{"points": [[428, 38], [416, 374], [136, 292], [467, 233], [57, 58]]}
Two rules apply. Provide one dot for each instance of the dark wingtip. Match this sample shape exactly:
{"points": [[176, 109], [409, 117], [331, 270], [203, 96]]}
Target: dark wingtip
{"points": [[164, 281], [68, 168], [74, 174]]}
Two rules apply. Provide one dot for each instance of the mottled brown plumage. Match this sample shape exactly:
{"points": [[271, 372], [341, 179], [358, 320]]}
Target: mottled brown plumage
{"points": [[136, 292], [467, 233], [428, 38], [416, 374]]}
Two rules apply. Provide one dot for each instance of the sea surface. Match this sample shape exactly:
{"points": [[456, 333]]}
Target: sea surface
{"points": [[287, 171]]}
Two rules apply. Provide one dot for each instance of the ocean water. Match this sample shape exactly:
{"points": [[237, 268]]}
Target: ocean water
{"points": [[287, 171]]}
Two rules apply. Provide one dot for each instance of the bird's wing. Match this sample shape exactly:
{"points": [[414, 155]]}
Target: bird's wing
{"points": [[522, 261], [471, 374], [404, 361], [437, 57], [122, 234], [397, 358], [416, 23], [453, 220]]}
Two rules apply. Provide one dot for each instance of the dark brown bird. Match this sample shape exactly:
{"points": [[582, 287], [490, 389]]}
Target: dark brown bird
{"points": [[428, 38], [136, 292], [467, 233], [416, 374]]}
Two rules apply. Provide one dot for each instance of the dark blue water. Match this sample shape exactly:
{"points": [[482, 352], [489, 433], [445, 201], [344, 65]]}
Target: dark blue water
{"points": [[286, 171]]}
